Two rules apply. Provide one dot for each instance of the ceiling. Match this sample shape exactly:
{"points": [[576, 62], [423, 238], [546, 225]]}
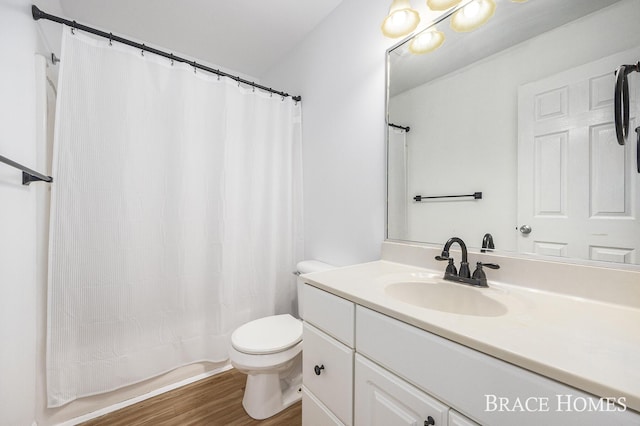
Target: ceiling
{"points": [[243, 36]]}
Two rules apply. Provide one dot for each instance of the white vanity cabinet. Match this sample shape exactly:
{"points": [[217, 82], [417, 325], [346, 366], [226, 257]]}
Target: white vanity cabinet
{"points": [[327, 359], [365, 368]]}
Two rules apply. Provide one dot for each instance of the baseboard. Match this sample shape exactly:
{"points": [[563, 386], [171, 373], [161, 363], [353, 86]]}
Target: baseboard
{"points": [[128, 402]]}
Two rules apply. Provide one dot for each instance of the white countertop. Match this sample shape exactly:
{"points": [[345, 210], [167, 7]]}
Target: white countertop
{"points": [[590, 345]]}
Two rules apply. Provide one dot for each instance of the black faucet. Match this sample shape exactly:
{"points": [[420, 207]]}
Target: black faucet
{"points": [[487, 243], [464, 264], [478, 279]]}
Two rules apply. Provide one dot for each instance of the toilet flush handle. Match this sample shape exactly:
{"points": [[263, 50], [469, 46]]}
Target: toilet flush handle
{"points": [[318, 370]]}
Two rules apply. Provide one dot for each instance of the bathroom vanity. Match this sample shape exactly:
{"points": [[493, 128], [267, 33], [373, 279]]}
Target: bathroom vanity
{"points": [[391, 343]]}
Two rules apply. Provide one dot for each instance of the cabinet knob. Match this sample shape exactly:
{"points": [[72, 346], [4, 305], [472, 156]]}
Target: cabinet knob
{"points": [[429, 421], [318, 370]]}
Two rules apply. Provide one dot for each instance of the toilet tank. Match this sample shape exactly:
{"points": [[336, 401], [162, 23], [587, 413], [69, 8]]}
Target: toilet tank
{"points": [[305, 267]]}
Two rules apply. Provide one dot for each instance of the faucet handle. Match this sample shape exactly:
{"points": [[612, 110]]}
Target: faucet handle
{"points": [[451, 268], [488, 265], [479, 273], [443, 256]]}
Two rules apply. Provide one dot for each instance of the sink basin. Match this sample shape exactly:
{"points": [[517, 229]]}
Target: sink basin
{"points": [[446, 297]]}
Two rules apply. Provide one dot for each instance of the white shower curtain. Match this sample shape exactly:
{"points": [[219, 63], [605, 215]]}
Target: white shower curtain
{"points": [[175, 216]]}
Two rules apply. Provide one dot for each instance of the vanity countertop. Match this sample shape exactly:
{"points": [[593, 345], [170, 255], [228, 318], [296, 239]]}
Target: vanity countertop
{"points": [[588, 344]]}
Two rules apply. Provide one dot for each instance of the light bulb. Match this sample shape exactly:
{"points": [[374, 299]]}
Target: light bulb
{"points": [[401, 20], [426, 42], [472, 10], [441, 4], [473, 15]]}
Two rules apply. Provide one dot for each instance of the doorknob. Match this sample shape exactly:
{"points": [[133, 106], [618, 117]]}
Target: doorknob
{"points": [[525, 229]]}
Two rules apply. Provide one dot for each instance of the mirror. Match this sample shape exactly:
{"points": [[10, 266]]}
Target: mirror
{"points": [[521, 111]]}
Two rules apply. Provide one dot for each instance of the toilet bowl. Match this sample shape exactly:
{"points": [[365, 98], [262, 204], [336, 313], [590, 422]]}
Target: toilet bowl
{"points": [[269, 351]]}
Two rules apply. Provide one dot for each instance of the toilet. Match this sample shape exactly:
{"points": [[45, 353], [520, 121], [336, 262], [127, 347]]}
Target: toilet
{"points": [[269, 351]]}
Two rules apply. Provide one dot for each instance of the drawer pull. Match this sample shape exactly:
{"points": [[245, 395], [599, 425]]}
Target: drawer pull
{"points": [[318, 370], [429, 421]]}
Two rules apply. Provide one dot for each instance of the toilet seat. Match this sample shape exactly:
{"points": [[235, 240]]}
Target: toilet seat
{"points": [[267, 335]]}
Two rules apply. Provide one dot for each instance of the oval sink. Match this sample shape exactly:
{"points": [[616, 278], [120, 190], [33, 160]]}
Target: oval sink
{"points": [[447, 297]]}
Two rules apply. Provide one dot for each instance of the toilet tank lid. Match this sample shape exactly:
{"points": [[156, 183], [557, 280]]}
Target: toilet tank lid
{"points": [[307, 266]]}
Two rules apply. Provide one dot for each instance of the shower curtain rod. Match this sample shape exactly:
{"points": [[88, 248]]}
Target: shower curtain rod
{"points": [[28, 175], [39, 14]]}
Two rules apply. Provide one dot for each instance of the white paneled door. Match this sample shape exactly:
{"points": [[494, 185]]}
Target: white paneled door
{"points": [[577, 187]]}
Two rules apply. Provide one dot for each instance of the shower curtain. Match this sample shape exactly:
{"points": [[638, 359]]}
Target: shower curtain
{"points": [[175, 216], [397, 195]]}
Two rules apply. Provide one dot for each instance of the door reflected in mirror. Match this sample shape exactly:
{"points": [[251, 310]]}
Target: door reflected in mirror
{"points": [[520, 109]]}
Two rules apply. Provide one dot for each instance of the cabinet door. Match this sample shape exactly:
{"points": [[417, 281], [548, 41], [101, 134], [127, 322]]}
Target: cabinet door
{"points": [[327, 372], [383, 399], [457, 419], [314, 413]]}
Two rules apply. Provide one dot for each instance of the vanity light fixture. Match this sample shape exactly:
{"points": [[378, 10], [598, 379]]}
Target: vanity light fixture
{"points": [[401, 20], [473, 15], [442, 4], [426, 41]]}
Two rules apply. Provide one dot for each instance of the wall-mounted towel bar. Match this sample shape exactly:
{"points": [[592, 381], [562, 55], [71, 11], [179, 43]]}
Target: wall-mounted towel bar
{"points": [[475, 195], [28, 175], [621, 101], [406, 129]]}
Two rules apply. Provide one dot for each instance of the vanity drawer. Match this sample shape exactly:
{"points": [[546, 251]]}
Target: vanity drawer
{"points": [[381, 398], [331, 314], [327, 372]]}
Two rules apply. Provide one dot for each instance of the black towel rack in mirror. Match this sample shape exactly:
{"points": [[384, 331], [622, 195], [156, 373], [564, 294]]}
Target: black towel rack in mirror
{"points": [[621, 101], [475, 195]]}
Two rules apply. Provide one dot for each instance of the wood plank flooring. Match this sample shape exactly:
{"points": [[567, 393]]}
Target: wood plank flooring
{"points": [[214, 401]]}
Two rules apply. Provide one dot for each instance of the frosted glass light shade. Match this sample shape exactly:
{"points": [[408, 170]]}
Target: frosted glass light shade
{"points": [[473, 15], [426, 42], [441, 4], [402, 19]]}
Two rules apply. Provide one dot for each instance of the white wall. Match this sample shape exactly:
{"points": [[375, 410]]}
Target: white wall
{"points": [[339, 70], [18, 43]]}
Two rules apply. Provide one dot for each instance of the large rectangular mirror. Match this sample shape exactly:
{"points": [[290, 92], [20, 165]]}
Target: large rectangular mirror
{"points": [[521, 110]]}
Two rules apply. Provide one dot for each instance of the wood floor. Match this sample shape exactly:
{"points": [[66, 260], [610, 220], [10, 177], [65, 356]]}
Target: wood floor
{"points": [[214, 401]]}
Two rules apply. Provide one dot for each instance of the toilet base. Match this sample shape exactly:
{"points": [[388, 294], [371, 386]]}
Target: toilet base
{"points": [[264, 395]]}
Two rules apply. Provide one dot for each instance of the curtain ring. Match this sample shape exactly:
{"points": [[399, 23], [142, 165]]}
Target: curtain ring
{"points": [[194, 67], [142, 51], [73, 29], [270, 92], [253, 87], [218, 72], [171, 54], [282, 98], [110, 39]]}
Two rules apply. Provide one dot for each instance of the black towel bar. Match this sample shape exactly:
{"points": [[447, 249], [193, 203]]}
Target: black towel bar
{"points": [[28, 175], [475, 195]]}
